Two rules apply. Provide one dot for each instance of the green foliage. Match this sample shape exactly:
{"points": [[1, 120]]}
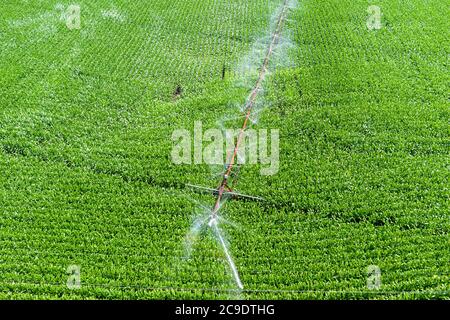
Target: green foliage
{"points": [[86, 118]]}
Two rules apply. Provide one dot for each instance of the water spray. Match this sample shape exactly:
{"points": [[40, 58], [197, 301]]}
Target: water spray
{"points": [[225, 190]]}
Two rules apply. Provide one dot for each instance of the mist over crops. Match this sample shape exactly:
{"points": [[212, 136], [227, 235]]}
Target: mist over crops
{"points": [[86, 120]]}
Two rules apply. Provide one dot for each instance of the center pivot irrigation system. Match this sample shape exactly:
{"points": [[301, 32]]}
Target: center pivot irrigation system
{"points": [[225, 190]]}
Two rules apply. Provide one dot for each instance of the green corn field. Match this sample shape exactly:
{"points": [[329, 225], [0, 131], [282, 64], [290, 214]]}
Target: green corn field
{"points": [[87, 115]]}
